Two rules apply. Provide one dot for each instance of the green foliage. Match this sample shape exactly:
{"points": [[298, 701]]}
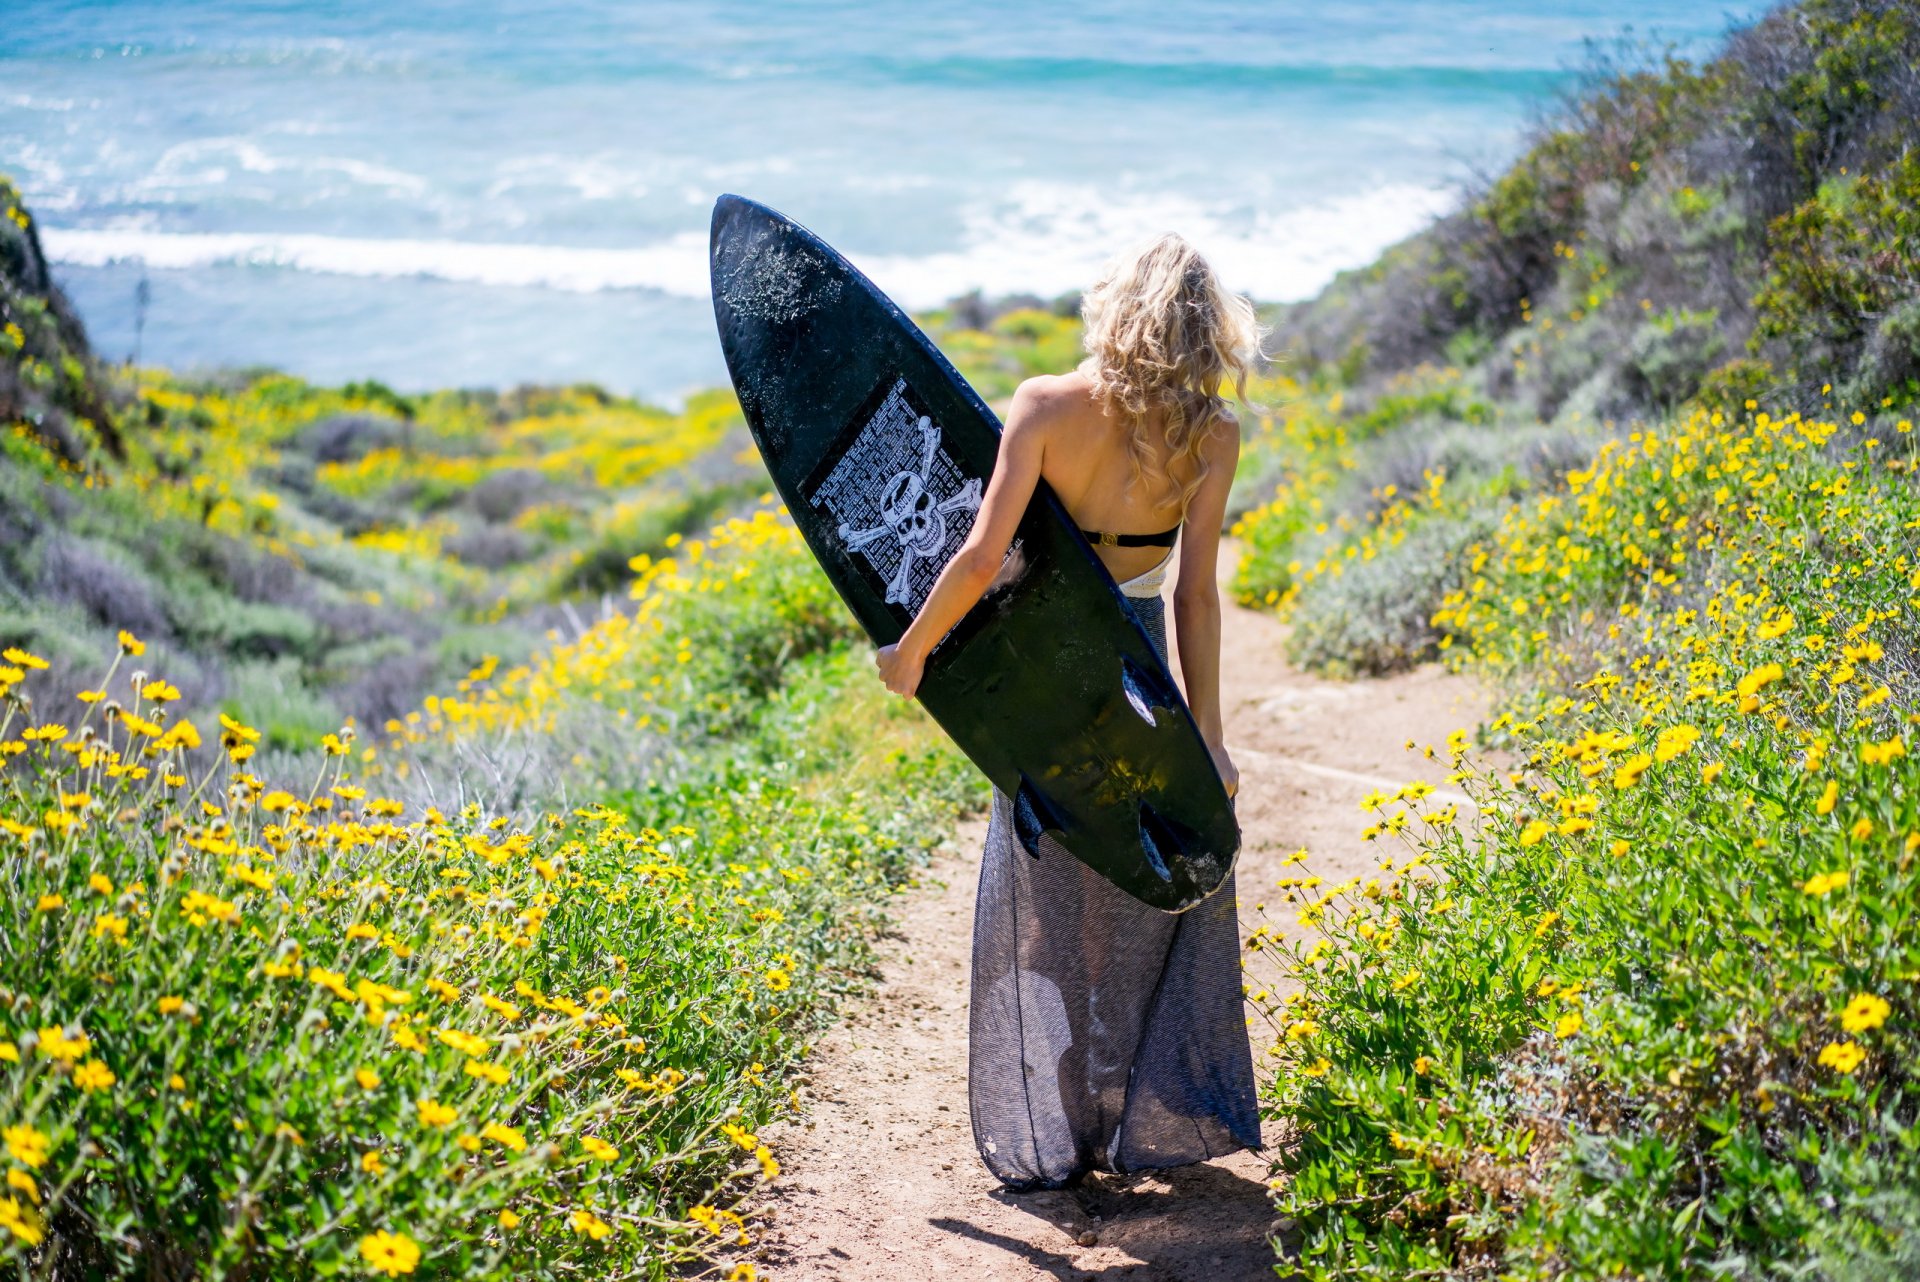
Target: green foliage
{"points": [[1672, 352], [51, 392], [1840, 261], [1653, 1013], [495, 1043], [1373, 614], [1016, 345]]}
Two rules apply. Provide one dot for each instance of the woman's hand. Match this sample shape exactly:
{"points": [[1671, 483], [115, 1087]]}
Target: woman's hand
{"points": [[899, 669], [1229, 773]]}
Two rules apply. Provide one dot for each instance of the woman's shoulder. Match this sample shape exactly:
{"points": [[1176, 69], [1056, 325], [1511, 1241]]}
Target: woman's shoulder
{"points": [[1224, 433], [1052, 398], [1055, 391]]}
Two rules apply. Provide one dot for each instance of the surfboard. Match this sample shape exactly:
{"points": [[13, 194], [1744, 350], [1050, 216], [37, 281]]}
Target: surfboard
{"points": [[881, 452]]}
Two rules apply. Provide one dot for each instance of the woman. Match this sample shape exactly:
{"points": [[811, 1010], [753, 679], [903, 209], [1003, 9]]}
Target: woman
{"points": [[1106, 1035]]}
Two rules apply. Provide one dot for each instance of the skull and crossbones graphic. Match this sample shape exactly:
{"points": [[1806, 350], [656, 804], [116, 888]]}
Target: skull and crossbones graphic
{"points": [[910, 513]]}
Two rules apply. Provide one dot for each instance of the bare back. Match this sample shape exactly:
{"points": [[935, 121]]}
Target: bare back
{"points": [[1088, 465]]}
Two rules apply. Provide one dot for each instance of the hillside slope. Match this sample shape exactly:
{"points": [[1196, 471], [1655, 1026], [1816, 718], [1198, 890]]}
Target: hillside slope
{"points": [[1748, 222], [1632, 436]]}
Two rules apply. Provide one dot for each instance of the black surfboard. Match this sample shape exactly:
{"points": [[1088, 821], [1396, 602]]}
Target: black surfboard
{"points": [[882, 451]]}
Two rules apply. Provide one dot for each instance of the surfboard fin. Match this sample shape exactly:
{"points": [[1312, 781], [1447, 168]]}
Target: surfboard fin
{"points": [[1161, 836], [1145, 691], [1034, 817]]}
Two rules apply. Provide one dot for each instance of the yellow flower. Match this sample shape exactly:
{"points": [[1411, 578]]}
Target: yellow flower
{"points": [[1631, 769], [589, 1225], [1881, 754], [20, 658], [599, 1149], [739, 1135], [434, 1113], [22, 1221], [719, 1223], [1673, 741], [1842, 1057], [466, 1043], [743, 1272], [132, 645], [368, 1079], [1862, 829], [495, 1073], [49, 903], [55, 1044], [769, 1168], [1828, 798], [1755, 681], [1823, 883], [778, 980], [26, 1145], [508, 1219], [172, 1005], [505, 1136], [370, 1162], [1864, 1012], [1422, 1066], [1535, 832], [93, 1076], [390, 1253], [1569, 1024]]}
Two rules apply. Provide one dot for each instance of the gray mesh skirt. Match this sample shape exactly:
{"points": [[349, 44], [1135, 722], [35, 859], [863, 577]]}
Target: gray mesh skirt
{"points": [[1104, 1035]]}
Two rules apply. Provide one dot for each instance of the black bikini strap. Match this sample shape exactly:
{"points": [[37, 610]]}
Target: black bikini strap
{"points": [[1164, 539]]}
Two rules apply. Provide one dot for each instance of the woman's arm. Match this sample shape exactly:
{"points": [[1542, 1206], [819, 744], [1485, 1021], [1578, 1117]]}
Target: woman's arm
{"points": [[1016, 472], [1196, 598]]}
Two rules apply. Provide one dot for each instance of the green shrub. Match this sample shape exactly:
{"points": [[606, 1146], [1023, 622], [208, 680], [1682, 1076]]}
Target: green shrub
{"points": [[297, 1028], [1671, 353], [1373, 615], [1654, 1012], [1840, 261]]}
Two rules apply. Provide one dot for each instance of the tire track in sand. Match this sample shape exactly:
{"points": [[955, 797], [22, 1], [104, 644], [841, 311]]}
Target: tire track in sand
{"points": [[881, 1178]]}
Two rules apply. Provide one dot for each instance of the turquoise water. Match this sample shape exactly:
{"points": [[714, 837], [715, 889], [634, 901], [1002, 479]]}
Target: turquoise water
{"points": [[480, 192]]}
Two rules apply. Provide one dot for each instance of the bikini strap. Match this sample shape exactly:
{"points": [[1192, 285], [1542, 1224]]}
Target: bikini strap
{"points": [[1164, 539]]}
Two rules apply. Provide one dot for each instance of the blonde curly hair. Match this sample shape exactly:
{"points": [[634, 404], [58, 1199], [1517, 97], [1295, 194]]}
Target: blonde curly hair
{"points": [[1163, 333]]}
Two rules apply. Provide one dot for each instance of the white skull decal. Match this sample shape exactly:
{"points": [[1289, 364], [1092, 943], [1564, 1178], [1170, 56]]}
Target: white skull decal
{"points": [[910, 514]]}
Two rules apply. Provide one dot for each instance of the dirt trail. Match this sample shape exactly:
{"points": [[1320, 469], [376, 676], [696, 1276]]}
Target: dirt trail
{"points": [[882, 1180]]}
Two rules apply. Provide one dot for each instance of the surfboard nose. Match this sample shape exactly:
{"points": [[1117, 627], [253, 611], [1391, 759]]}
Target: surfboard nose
{"points": [[731, 211]]}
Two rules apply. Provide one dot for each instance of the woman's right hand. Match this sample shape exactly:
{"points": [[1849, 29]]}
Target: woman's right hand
{"points": [[1229, 773]]}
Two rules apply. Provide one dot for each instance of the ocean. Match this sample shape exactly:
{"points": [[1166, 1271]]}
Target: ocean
{"points": [[485, 192]]}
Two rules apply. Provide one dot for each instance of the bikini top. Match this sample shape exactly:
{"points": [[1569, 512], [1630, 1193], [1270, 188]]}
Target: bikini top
{"points": [[1164, 539]]}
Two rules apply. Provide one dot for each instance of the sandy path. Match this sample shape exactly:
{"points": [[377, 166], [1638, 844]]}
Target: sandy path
{"points": [[882, 1180]]}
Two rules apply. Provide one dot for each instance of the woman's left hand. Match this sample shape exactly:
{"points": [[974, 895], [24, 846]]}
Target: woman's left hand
{"points": [[899, 669]]}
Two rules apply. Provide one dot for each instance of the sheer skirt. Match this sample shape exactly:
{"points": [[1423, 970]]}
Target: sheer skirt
{"points": [[1104, 1034]]}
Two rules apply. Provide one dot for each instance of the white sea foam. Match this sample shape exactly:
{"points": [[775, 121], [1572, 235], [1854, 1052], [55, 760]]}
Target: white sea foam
{"points": [[674, 266], [1047, 239], [1040, 238]]}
